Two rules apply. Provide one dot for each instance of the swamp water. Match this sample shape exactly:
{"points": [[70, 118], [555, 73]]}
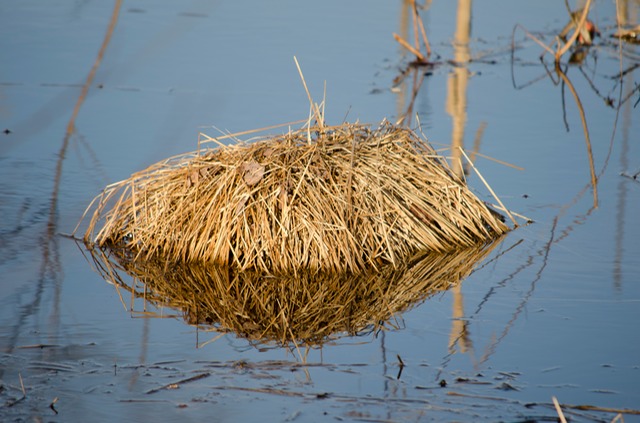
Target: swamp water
{"points": [[552, 310]]}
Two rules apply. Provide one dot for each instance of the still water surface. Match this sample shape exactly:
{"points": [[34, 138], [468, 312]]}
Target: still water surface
{"points": [[552, 311]]}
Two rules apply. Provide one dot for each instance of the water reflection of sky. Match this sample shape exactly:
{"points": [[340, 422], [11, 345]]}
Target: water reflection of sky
{"points": [[558, 311]]}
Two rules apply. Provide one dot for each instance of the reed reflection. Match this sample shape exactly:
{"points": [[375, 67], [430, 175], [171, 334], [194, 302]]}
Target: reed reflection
{"points": [[49, 273], [457, 108], [298, 309], [628, 13], [458, 82]]}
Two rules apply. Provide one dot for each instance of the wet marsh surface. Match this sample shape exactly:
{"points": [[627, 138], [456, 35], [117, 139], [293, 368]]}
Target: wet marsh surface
{"points": [[552, 310]]}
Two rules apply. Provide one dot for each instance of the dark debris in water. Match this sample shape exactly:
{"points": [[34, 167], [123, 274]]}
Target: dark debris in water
{"points": [[504, 386], [180, 384]]}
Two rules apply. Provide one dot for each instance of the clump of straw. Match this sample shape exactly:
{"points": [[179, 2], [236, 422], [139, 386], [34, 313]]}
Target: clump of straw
{"points": [[306, 309], [341, 198]]}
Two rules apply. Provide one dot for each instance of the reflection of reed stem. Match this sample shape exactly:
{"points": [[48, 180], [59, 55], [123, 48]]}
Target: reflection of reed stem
{"points": [[83, 94], [457, 108], [85, 88], [50, 260], [457, 84], [583, 118]]}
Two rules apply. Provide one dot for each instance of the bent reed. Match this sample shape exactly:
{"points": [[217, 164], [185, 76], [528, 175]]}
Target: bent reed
{"points": [[322, 198]]}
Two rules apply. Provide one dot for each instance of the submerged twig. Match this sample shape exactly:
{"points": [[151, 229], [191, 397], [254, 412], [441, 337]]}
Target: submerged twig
{"points": [[175, 385], [400, 365], [635, 176], [24, 393], [52, 405]]}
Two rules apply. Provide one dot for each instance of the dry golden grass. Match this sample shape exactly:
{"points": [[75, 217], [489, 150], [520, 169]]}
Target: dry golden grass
{"points": [[301, 309], [335, 199]]}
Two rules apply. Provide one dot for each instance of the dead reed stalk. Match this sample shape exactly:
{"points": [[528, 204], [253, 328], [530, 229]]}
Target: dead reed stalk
{"points": [[418, 30], [583, 32]]}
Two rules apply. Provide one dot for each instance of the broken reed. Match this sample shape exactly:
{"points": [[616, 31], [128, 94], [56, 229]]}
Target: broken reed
{"points": [[303, 309], [340, 198]]}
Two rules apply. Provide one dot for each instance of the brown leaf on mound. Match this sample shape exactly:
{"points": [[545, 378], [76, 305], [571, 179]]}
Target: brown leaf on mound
{"points": [[252, 173]]}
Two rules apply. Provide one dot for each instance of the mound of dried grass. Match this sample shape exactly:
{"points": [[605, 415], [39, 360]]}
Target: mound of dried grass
{"points": [[340, 198], [286, 309]]}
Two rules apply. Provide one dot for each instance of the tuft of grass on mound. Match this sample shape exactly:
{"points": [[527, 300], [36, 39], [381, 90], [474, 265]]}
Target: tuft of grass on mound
{"points": [[322, 198]]}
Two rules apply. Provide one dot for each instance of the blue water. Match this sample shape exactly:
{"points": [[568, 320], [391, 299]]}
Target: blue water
{"points": [[553, 312]]}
